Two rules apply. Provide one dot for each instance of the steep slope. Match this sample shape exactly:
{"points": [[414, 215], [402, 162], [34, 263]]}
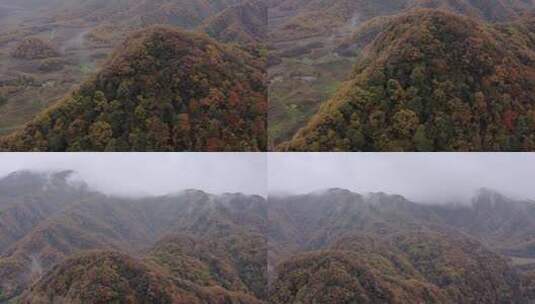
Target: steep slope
{"points": [[313, 221], [244, 23], [433, 81], [322, 16], [211, 246], [34, 48], [236, 263], [178, 269], [339, 246], [88, 225], [82, 33], [306, 66], [27, 199], [493, 10], [108, 277], [163, 90], [407, 268], [221, 237], [187, 14], [505, 224]]}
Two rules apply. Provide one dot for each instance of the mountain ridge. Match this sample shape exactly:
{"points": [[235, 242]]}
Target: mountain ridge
{"points": [[215, 102], [134, 227], [427, 83], [343, 246]]}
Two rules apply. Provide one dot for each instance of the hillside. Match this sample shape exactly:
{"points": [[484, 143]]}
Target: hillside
{"points": [[505, 224], [244, 23], [309, 60], [339, 246], [405, 269], [316, 15], [105, 277], [237, 263], [62, 241], [162, 90], [34, 48], [27, 199], [48, 49], [186, 14], [190, 245], [433, 81], [309, 220], [109, 277]]}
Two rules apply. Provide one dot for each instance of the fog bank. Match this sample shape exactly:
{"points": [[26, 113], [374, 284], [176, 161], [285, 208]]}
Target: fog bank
{"points": [[136, 174], [422, 177]]}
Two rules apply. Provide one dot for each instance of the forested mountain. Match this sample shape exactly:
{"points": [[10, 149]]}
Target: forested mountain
{"points": [[190, 92], [506, 225], [163, 90], [133, 12], [338, 246], [312, 14], [243, 23], [321, 50], [62, 242], [433, 81]]}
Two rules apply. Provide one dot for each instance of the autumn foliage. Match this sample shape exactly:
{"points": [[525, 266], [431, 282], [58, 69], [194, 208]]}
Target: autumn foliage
{"points": [[34, 48], [433, 81], [162, 90]]}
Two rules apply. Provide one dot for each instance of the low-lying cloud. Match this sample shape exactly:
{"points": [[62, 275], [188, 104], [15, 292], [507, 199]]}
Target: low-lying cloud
{"points": [[135, 174], [423, 177]]}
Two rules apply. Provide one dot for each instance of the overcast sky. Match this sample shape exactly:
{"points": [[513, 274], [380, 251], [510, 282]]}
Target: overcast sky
{"points": [[420, 177], [152, 173], [439, 177]]}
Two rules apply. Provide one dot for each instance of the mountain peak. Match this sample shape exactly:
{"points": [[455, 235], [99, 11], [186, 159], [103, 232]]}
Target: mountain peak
{"points": [[245, 22], [23, 176], [336, 190], [428, 82], [146, 284], [164, 89], [488, 196], [27, 181]]}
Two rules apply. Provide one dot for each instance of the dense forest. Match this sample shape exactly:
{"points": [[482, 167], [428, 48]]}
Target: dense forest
{"points": [[342, 247], [163, 90], [341, 75], [401, 75], [65, 243], [61, 241], [244, 23], [134, 75], [433, 81]]}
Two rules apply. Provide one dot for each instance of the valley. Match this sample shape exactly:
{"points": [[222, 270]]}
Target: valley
{"points": [[29, 84]]}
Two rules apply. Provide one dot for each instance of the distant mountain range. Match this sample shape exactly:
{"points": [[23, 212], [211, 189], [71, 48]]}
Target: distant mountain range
{"points": [[62, 241], [242, 23], [338, 246]]}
